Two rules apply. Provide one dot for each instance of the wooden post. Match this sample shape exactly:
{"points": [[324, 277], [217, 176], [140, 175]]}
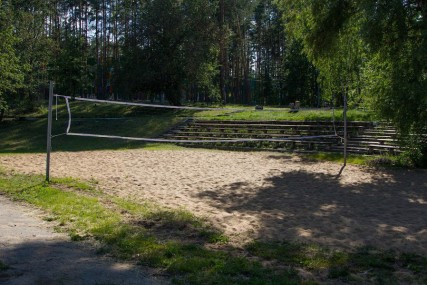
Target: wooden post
{"points": [[49, 131]]}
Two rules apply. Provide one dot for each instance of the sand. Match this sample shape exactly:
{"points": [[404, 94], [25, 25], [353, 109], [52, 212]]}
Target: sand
{"points": [[265, 196]]}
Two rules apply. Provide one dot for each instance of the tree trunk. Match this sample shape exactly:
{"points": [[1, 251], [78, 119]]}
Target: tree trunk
{"points": [[222, 52]]}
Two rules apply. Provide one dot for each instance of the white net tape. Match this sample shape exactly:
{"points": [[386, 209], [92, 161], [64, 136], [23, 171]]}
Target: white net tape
{"points": [[146, 105]]}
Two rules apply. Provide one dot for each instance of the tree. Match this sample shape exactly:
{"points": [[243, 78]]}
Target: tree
{"points": [[300, 76], [392, 37], [69, 69], [172, 50], [338, 57], [11, 72]]}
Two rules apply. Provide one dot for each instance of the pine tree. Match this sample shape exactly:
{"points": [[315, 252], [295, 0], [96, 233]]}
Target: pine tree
{"points": [[11, 72]]}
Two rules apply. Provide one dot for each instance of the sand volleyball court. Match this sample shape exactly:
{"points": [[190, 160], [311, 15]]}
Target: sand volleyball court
{"points": [[261, 195]]}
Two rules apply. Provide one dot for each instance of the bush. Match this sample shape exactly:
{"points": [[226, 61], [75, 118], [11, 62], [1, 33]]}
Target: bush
{"points": [[416, 152]]}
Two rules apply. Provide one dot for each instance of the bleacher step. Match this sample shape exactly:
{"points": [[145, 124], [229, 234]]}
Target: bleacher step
{"points": [[363, 136]]}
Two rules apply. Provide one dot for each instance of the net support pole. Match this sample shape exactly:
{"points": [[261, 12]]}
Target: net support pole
{"points": [[345, 134], [49, 131]]}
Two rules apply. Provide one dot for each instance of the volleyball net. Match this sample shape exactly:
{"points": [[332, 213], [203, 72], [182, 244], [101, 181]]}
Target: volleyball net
{"points": [[266, 138]]}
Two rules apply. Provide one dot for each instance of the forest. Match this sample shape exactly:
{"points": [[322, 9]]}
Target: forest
{"points": [[266, 52]]}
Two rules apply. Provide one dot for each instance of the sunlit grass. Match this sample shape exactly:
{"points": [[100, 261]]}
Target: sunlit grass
{"points": [[339, 158], [163, 146], [271, 114]]}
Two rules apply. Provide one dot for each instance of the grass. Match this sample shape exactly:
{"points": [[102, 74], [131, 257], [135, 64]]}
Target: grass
{"points": [[339, 158], [190, 251], [365, 265], [271, 114], [81, 109], [385, 160], [30, 136]]}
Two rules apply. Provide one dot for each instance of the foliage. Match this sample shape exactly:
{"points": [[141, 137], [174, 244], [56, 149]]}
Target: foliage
{"points": [[373, 49], [11, 73], [267, 52], [173, 52], [35, 49], [146, 49], [70, 70], [397, 36], [339, 56], [300, 76]]}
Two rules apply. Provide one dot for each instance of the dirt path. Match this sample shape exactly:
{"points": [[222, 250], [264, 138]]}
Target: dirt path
{"points": [[261, 195], [37, 255]]}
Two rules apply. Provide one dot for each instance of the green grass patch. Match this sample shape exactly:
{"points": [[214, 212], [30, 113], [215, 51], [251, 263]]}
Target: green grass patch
{"points": [[309, 256], [79, 214], [81, 109], [30, 136], [84, 109], [363, 265], [163, 146], [385, 160], [272, 114], [180, 222], [339, 158], [74, 184]]}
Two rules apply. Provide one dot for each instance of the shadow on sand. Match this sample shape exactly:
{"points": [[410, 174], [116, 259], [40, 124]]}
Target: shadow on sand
{"points": [[387, 211]]}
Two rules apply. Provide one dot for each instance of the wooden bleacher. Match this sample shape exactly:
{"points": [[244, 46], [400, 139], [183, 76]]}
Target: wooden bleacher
{"points": [[380, 139], [364, 137]]}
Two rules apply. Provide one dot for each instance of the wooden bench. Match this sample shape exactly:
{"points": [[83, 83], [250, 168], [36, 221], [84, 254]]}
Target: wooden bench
{"points": [[232, 122], [372, 149], [266, 129], [232, 134], [272, 145], [284, 125], [387, 148]]}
